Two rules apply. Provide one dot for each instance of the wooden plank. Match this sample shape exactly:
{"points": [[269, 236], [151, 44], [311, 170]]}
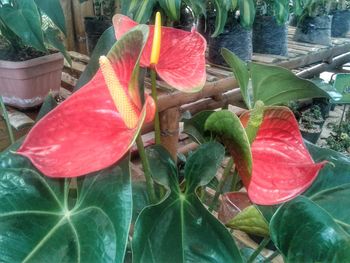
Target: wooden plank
{"points": [[264, 58], [79, 57]]}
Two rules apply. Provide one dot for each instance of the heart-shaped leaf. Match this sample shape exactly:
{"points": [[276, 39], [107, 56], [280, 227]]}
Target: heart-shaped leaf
{"points": [[180, 228], [41, 222], [304, 232]]}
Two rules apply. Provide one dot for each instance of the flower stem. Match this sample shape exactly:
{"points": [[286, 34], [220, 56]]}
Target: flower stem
{"points": [[235, 179], [261, 246], [221, 184], [155, 98], [6, 117], [146, 169]]}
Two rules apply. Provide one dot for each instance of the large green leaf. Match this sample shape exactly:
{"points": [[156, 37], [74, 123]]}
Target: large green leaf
{"points": [[239, 69], [53, 9], [24, 21], [139, 10], [194, 127], [103, 46], [52, 36], [171, 8], [304, 232], [229, 128], [180, 229], [275, 85], [41, 222]]}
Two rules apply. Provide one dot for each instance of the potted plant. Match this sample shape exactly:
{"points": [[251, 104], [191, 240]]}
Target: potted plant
{"points": [[314, 21], [28, 69], [310, 123], [341, 18], [96, 25], [270, 31], [229, 26]]}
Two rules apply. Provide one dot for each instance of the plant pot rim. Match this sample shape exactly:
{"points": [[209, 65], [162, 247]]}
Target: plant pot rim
{"points": [[30, 62]]}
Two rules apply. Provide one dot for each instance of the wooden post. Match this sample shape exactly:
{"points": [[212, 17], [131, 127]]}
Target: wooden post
{"points": [[169, 130], [69, 41]]}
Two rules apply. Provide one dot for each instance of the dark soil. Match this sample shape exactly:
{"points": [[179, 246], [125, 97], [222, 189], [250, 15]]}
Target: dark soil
{"points": [[27, 53]]}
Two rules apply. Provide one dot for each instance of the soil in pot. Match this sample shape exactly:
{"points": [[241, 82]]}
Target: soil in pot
{"points": [[234, 37], [269, 37], [94, 28], [340, 23], [315, 30], [10, 54]]}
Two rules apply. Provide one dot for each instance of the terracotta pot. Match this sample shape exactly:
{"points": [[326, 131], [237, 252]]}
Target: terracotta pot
{"points": [[25, 84]]}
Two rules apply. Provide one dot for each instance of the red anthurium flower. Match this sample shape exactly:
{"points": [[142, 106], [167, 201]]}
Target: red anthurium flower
{"points": [[182, 55], [282, 166], [97, 125]]}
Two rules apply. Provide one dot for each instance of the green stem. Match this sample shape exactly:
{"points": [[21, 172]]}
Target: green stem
{"points": [[235, 179], [155, 98], [146, 169], [271, 257], [261, 246], [221, 184], [6, 117]]}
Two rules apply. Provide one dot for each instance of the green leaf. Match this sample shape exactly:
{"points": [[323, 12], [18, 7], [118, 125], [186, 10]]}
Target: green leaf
{"points": [[52, 37], [247, 13], [24, 21], [104, 44], [140, 10], [275, 85], [251, 221], [171, 8], [304, 232], [229, 128], [38, 224], [335, 173], [194, 127], [220, 17], [49, 104], [53, 9], [180, 229], [281, 11], [240, 70]]}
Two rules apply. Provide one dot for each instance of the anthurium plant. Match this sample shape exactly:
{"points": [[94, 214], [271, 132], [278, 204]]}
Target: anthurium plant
{"points": [[36, 24], [67, 193]]}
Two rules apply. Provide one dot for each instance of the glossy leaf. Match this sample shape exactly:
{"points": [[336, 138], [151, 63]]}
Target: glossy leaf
{"points": [[53, 9], [275, 85], [52, 36], [48, 105], [91, 121], [37, 224], [171, 8], [103, 46], [182, 55], [304, 232], [180, 228], [240, 70], [335, 173], [282, 166], [229, 128], [194, 127], [24, 21]]}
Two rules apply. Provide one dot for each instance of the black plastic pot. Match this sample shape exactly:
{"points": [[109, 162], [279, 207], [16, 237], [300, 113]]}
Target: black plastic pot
{"points": [[187, 20], [340, 23], [234, 37], [315, 30], [310, 136], [94, 28], [324, 104], [269, 37]]}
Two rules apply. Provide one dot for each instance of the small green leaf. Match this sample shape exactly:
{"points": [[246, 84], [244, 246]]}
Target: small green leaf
{"points": [[247, 12], [275, 85], [171, 8], [49, 104], [304, 232], [255, 120], [220, 17], [251, 221], [229, 128], [281, 11], [141, 10], [240, 70], [194, 127]]}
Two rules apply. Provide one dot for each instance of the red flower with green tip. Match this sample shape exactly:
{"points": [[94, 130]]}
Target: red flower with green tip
{"points": [[182, 55], [282, 166], [98, 124]]}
